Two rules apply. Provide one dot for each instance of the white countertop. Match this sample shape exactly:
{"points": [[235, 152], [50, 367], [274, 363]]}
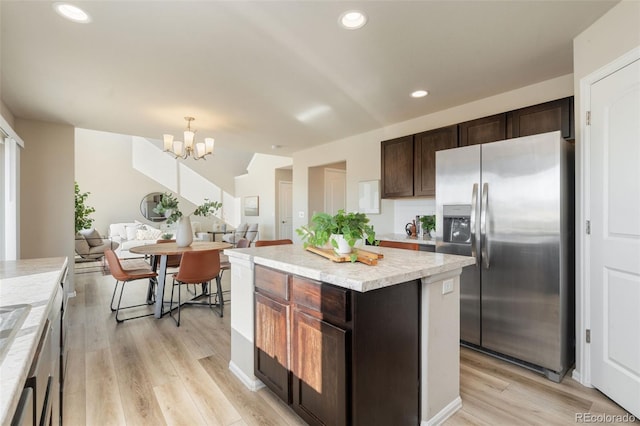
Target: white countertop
{"points": [[396, 267], [35, 282], [404, 238]]}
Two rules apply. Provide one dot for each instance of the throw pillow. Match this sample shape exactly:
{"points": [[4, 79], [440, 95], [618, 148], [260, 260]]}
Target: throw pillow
{"points": [[144, 234], [92, 236], [82, 248], [132, 231]]}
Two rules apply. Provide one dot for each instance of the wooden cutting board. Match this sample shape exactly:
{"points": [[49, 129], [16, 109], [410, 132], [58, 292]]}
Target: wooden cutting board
{"points": [[364, 256]]}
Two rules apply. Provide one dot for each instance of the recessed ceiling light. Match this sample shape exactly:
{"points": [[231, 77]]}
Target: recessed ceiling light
{"points": [[419, 94], [72, 13], [353, 19]]}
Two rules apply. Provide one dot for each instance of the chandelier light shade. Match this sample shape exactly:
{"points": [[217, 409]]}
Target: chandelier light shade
{"points": [[189, 147]]}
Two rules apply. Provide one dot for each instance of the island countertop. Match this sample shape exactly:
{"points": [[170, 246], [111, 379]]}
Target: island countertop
{"points": [[36, 283], [404, 238], [396, 267]]}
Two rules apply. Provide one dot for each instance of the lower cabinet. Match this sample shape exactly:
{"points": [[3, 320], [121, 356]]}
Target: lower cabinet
{"points": [[319, 370], [338, 356]]}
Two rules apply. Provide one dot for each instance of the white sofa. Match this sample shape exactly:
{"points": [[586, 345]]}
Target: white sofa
{"points": [[132, 234]]}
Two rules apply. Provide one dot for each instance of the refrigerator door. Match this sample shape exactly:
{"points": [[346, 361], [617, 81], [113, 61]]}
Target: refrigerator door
{"points": [[457, 174], [520, 220]]}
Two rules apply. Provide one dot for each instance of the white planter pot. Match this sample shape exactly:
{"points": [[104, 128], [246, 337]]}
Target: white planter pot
{"points": [[343, 245], [184, 233]]}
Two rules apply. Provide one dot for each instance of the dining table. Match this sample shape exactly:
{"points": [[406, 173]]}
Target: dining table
{"points": [[159, 253]]}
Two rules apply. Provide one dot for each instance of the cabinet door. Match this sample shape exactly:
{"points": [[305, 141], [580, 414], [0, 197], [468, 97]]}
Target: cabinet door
{"points": [[542, 118], [397, 167], [426, 145], [319, 378], [483, 130], [272, 345]]}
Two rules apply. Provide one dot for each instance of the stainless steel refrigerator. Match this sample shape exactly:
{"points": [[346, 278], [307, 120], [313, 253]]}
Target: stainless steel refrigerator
{"points": [[510, 204]]}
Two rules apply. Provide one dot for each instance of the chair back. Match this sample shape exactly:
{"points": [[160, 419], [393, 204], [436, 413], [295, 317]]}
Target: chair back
{"points": [[243, 243], [199, 266], [173, 260], [115, 267], [252, 232], [263, 243], [400, 245]]}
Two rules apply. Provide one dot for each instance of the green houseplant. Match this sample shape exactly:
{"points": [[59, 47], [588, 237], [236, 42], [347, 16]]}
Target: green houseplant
{"points": [[83, 221], [428, 223], [349, 227]]}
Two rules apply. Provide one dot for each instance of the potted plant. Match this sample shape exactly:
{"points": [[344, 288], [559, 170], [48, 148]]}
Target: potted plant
{"points": [[341, 230], [428, 224], [83, 221], [168, 206]]}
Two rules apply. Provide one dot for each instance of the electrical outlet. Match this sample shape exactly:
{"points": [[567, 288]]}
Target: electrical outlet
{"points": [[447, 286]]}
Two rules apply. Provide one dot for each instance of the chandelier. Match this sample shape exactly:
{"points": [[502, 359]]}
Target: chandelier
{"points": [[189, 147]]}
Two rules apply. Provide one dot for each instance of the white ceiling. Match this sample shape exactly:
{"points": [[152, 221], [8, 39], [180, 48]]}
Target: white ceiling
{"points": [[249, 71]]}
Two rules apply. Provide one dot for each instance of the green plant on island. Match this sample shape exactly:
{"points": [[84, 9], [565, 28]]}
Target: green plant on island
{"points": [[166, 236], [352, 226], [83, 221], [169, 204], [428, 223]]}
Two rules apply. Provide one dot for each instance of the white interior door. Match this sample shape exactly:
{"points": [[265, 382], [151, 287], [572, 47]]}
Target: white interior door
{"points": [[615, 236], [285, 210], [335, 190]]}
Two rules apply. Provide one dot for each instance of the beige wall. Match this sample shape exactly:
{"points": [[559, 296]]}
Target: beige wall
{"points": [[260, 180], [7, 114], [362, 152], [103, 168], [46, 186], [611, 36]]}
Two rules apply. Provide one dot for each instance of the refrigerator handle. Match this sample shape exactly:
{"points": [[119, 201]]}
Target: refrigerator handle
{"points": [[472, 222], [484, 251]]}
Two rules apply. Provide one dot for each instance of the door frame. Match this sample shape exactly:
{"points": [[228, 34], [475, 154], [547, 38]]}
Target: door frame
{"points": [[339, 171], [582, 372]]}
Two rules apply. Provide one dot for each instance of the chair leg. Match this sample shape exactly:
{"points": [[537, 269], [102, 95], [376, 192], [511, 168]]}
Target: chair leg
{"points": [[113, 296], [173, 286], [118, 320]]}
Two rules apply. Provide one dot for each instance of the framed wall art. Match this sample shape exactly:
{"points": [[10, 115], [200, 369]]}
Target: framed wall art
{"points": [[251, 206]]}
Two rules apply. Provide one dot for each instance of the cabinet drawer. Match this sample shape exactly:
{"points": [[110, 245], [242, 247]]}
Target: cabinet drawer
{"points": [[272, 282], [329, 300]]}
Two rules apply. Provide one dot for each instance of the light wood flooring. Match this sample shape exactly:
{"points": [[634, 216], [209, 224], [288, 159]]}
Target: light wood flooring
{"points": [[150, 372]]}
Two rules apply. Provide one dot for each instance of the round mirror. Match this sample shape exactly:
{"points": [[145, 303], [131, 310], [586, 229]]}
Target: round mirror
{"points": [[148, 203]]}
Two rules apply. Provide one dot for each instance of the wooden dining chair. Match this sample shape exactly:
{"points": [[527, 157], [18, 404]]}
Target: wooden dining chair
{"points": [[263, 243], [198, 267], [399, 244], [124, 276]]}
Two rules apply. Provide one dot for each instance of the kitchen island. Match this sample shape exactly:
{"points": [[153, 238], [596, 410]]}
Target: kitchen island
{"points": [[348, 343]]}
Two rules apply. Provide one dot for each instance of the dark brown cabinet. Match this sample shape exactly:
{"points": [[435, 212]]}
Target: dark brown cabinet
{"points": [[354, 357], [319, 370], [542, 118], [397, 167], [426, 144], [408, 163], [483, 130]]}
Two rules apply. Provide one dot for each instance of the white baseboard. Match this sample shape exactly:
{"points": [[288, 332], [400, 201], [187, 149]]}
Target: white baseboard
{"points": [[444, 414], [253, 385]]}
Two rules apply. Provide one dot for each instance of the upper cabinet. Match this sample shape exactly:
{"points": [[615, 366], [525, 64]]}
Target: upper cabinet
{"points": [[409, 163], [483, 130], [397, 167], [542, 118], [424, 167]]}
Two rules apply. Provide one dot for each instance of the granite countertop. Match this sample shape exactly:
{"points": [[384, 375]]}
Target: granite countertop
{"points": [[36, 283], [407, 239], [396, 267]]}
